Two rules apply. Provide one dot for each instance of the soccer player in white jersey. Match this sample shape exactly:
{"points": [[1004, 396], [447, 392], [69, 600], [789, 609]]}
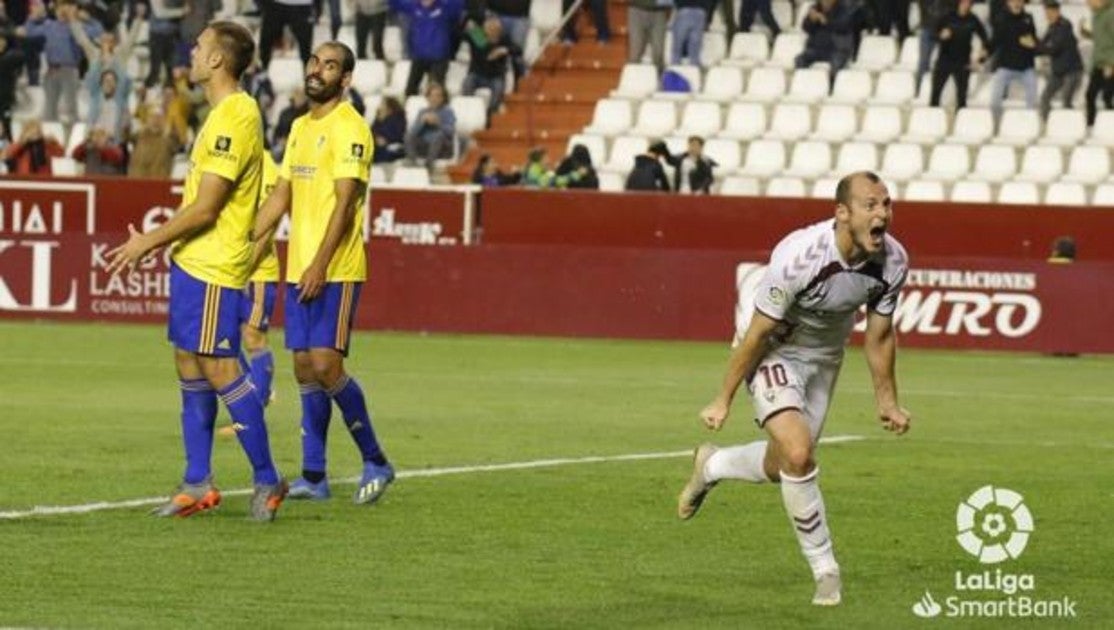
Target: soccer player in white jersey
{"points": [[790, 355]]}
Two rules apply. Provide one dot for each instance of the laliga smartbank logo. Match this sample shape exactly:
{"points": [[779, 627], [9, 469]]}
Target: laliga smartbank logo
{"points": [[994, 526]]}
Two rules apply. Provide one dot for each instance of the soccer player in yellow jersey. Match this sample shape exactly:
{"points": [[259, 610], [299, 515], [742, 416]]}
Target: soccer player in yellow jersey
{"points": [[259, 302], [322, 183], [212, 256]]}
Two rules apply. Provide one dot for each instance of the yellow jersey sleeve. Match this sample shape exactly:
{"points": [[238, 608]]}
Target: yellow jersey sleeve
{"points": [[287, 154], [232, 141], [351, 149], [268, 269]]}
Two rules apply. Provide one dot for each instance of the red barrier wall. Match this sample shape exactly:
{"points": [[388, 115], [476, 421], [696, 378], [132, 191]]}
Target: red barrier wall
{"points": [[750, 224], [54, 236]]}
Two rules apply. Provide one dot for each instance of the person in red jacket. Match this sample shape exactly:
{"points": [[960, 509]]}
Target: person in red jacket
{"points": [[31, 154], [100, 154]]}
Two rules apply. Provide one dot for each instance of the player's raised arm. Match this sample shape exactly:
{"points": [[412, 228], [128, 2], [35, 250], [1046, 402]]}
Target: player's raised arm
{"points": [[348, 192], [212, 195], [744, 357], [880, 346]]}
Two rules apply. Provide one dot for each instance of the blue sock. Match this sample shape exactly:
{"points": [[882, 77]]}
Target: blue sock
{"points": [[199, 413], [247, 418], [350, 399], [317, 410], [262, 372]]}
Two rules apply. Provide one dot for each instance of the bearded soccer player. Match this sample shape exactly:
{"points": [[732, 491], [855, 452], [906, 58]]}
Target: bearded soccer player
{"points": [[790, 355], [322, 183], [211, 262]]}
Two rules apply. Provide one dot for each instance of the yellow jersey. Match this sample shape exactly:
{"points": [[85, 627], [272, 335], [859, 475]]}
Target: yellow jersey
{"points": [[318, 153], [268, 269], [229, 145]]}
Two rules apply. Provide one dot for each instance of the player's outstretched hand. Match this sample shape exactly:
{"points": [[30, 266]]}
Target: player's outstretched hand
{"points": [[311, 284], [895, 419], [130, 253], [715, 414]]}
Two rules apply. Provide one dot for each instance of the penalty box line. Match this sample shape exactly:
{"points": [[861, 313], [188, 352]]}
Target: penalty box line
{"points": [[99, 506]]}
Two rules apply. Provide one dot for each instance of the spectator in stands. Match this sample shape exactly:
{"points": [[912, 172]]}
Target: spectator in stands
{"points": [[890, 14], [1062, 48], [488, 174], [335, 17], [371, 18], [430, 24], [432, 132], [830, 35], [162, 39], [389, 131], [1102, 58], [689, 21], [955, 32], [648, 172], [101, 155], [761, 8], [298, 106], [693, 169], [198, 15], [537, 173], [932, 12], [63, 56], [155, 146], [180, 104], [577, 168], [646, 22], [277, 14], [108, 103], [1015, 44], [599, 16], [11, 66], [108, 95], [491, 50], [515, 17], [31, 154]]}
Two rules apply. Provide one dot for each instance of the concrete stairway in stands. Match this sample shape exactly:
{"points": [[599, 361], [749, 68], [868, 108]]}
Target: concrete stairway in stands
{"points": [[555, 99]]}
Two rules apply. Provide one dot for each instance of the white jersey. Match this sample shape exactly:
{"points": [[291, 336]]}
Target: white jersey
{"points": [[814, 293]]}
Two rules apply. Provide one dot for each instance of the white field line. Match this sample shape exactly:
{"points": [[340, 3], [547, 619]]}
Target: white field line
{"points": [[85, 508]]}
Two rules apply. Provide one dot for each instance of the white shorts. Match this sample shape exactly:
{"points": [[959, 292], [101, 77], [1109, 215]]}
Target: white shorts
{"points": [[781, 384]]}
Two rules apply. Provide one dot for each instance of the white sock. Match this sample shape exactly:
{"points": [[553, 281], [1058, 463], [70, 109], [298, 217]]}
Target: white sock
{"points": [[737, 462], [806, 513]]}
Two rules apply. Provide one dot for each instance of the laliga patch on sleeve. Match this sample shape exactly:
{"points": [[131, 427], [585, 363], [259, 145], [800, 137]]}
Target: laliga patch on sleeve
{"points": [[357, 150], [223, 144], [776, 296]]}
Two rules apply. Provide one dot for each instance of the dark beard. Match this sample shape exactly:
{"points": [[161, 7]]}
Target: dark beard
{"points": [[327, 93]]}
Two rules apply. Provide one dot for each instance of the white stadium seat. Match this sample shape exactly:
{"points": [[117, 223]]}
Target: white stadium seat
{"points": [[725, 152], [1019, 127], [1102, 134], [856, 156], [971, 192], [723, 84], [636, 81], [765, 158], [1066, 194], [786, 48], [1065, 128], [895, 87], [700, 118], [852, 87], [471, 114], [1041, 164], [623, 151], [948, 163], [995, 163], [286, 73], [765, 85], [714, 50], [790, 122], [748, 50], [745, 121], [785, 187], [810, 159], [1019, 193], [612, 116], [410, 177], [835, 123], [1088, 165], [921, 190], [656, 118], [809, 85], [902, 162], [737, 185], [824, 188], [927, 125], [881, 124], [876, 53], [612, 182], [972, 126], [370, 76], [1104, 196]]}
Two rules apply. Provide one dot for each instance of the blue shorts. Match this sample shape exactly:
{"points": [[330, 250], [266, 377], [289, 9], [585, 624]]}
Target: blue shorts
{"points": [[258, 304], [324, 322], [204, 318]]}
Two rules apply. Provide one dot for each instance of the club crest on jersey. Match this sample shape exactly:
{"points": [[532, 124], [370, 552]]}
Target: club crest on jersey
{"points": [[320, 141], [357, 150], [223, 144]]}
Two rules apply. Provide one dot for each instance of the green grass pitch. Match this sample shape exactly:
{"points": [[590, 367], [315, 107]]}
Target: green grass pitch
{"points": [[89, 413]]}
